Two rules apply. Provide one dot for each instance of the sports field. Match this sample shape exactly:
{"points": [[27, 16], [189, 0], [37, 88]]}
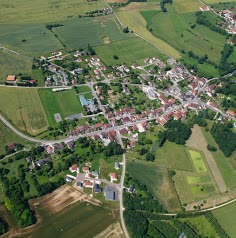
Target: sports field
{"points": [[198, 161], [44, 10], [65, 102], [201, 40], [226, 218], [135, 22], [37, 39], [79, 32], [22, 106], [11, 63], [128, 51]]}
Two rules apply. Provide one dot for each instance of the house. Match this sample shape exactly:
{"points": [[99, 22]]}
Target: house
{"points": [[50, 149], [11, 78], [85, 169], [11, 146], [110, 193], [131, 188], [117, 165], [97, 188], [71, 144], [73, 168], [193, 85], [80, 184], [69, 179], [204, 8], [182, 235], [114, 177], [123, 131], [43, 161], [28, 160], [230, 113], [95, 174], [88, 184]]}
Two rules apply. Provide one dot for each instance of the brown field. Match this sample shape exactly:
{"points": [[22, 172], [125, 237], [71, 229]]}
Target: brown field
{"points": [[198, 141]]}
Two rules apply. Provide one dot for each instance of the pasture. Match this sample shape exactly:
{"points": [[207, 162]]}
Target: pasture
{"points": [[129, 51], [29, 39], [184, 37], [198, 179], [183, 6], [157, 181], [226, 218], [64, 102], [79, 32], [136, 23], [22, 106], [198, 161], [44, 10], [218, 1], [11, 63]]}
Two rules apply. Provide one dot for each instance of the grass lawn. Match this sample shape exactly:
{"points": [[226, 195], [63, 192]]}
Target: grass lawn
{"points": [[198, 161], [65, 102], [129, 51], [135, 21], [39, 40], [76, 220], [45, 10], [226, 218], [83, 89], [79, 32], [8, 137], [11, 63], [224, 164], [201, 40], [22, 106], [157, 181]]}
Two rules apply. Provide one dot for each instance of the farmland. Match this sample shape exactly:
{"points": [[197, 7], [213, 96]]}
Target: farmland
{"points": [[181, 6], [226, 218], [44, 10], [37, 39], [11, 63], [65, 102], [184, 37], [198, 161], [79, 32], [23, 108], [130, 51]]}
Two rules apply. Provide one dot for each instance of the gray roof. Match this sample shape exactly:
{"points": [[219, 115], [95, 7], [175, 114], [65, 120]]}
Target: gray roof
{"points": [[97, 188], [117, 165], [110, 195], [95, 173]]}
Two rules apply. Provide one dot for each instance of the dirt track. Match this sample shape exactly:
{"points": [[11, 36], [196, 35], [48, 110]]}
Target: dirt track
{"points": [[113, 231], [197, 141]]}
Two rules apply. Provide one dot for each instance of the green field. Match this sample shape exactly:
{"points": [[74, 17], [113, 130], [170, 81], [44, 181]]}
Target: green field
{"points": [[65, 102], [182, 6], [22, 106], [226, 218], [201, 40], [218, 1], [11, 63], [44, 10], [198, 179], [157, 181], [198, 161], [79, 32], [39, 40], [130, 51]]}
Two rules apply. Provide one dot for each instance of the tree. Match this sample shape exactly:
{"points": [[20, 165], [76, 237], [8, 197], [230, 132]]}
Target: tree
{"points": [[115, 57], [150, 157], [126, 29]]}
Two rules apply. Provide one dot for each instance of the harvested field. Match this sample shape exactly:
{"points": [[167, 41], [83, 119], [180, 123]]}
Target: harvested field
{"points": [[198, 141]]}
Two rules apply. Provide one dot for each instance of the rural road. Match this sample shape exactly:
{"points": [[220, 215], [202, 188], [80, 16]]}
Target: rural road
{"points": [[14, 52]]}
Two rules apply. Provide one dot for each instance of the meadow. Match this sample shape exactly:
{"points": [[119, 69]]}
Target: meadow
{"points": [[157, 181], [183, 6], [65, 102], [11, 63], [129, 51], [218, 1], [182, 36], [198, 161], [22, 106], [79, 32], [44, 10], [37, 39], [226, 218]]}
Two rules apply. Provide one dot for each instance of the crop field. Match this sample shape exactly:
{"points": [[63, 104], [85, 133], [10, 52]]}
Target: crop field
{"points": [[130, 51], [218, 1], [201, 40], [198, 161], [37, 39], [157, 181], [79, 32], [22, 106], [198, 179], [65, 102], [182, 6], [226, 218], [11, 63], [44, 10], [135, 22]]}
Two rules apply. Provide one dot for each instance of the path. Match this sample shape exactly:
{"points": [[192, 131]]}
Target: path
{"points": [[197, 141], [14, 52]]}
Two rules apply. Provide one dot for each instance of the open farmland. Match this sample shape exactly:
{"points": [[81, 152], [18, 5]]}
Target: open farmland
{"points": [[37, 39], [157, 181], [44, 10], [226, 218], [217, 1], [130, 51], [134, 20], [182, 6], [79, 32], [22, 106], [65, 102], [198, 161], [11, 63], [200, 39]]}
